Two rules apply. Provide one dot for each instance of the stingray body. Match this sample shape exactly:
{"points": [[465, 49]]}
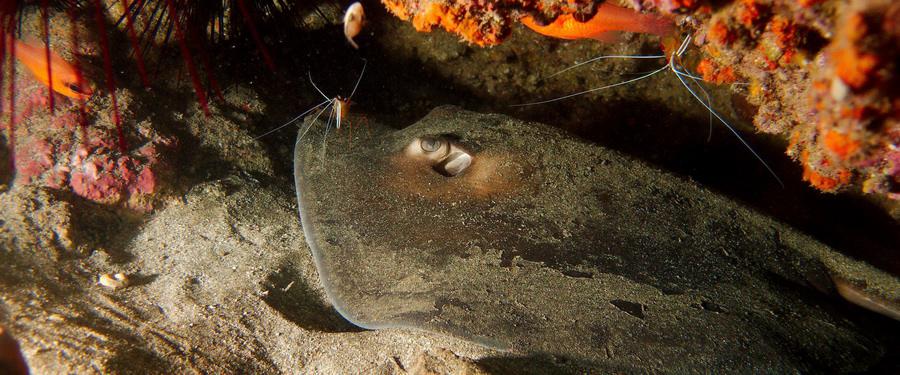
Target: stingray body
{"points": [[547, 245]]}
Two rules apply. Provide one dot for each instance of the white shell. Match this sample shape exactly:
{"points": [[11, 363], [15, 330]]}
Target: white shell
{"points": [[117, 281]]}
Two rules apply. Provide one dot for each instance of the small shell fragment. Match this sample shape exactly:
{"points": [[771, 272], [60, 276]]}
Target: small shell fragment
{"points": [[117, 281], [353, 22]]}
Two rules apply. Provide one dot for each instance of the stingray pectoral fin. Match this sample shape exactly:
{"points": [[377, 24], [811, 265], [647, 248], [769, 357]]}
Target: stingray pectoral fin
{"points": [[553, 246], [858, 296]]}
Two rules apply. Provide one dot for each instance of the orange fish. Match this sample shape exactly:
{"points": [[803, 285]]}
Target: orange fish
{"points": [[608, 19], [65, 76]]}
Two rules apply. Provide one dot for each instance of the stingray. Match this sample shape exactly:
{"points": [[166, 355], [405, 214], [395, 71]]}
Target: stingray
{"points": [[522, 238]]}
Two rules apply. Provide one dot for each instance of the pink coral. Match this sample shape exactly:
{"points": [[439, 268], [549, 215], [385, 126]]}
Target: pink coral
{"points": [[101, 173], [89, 163]]}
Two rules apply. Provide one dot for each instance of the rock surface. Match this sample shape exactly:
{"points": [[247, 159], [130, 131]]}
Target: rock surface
{"points": [[221, 282]]}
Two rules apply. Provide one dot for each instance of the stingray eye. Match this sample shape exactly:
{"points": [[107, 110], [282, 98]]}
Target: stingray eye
{"points": [[454, 164], [430, 144]]}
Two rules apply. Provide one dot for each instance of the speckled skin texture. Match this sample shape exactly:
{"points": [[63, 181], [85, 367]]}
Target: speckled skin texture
{"points": [[637, 257]]}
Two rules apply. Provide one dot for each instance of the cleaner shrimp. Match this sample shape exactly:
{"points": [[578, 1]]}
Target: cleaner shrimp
{"points": [[338, 106], [675, 65]]}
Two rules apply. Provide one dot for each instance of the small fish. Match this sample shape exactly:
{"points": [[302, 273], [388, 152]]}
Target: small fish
{"points": [[608, 19], [65, 76], [353, 22]]}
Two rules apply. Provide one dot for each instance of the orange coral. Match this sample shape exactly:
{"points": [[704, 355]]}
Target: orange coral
{"points": [[854, 28], [438, 14], [452, 20], [784, 31], [396, 7], [719, 33], [840, 144], [706, 68], [712, 73], [683, 4], [819, 181], [820, 101], [768, 64], [725, 75], [824, 183], [857, 113], [433, 15], [788, 57], [793, 143], [824, 73], [891, 22], [749, 13], [855, 68], [809, 3]]}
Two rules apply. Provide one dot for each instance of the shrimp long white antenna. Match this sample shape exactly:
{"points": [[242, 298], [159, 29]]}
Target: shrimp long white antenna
{"points": [[331, 117], [734, 131], [313, 83], [672, 64], [684, 45], [291, 121], [311, 123], [598, 58], [358, 80], [696, 81], [592, 90]]}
